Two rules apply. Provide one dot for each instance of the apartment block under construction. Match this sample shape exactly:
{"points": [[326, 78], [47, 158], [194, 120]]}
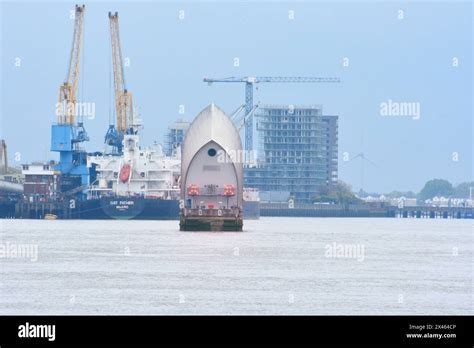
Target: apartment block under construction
{"points": [[297, 151]]}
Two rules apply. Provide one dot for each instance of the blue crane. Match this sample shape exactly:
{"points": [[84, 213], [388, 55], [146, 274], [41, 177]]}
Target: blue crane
{"points": [[250, 81], [68, 132]]}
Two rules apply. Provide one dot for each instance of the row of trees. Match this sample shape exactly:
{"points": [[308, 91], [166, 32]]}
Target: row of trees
{"points": [[342, 193], [441, 187]]}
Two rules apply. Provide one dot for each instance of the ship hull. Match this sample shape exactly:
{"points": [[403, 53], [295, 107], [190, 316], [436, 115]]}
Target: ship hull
{"points": [[7, 210], [127, 208], [108, 208]]}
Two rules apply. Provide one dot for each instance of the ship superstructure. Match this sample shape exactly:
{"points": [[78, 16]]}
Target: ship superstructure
{"points": [[138, 172]]}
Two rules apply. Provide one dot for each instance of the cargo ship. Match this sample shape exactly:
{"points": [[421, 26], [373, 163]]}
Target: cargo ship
{"points": [[139, 184], [127, 208]]}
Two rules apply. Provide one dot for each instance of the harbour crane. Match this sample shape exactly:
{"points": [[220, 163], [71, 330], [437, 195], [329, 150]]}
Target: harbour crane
{"points": [[250, 81], [68, 91], [123, 98], [69, 132]]}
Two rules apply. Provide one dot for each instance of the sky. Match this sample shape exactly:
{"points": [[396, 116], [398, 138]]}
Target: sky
{"points": [[384, 52]]}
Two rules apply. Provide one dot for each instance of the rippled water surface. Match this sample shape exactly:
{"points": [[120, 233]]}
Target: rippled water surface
{"points": [[276, 266]]}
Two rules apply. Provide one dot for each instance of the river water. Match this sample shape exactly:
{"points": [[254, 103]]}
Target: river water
{"points": [[276, 266]]}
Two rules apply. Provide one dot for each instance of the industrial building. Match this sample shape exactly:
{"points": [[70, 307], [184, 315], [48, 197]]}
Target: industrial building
{"points": [[297, 151], [174, 136], [41, 181]]}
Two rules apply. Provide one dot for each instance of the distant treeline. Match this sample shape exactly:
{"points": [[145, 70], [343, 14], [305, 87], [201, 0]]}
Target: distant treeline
{"points": [[432, 188]]}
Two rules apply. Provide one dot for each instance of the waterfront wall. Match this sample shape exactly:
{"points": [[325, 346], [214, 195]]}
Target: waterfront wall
{"points": [[63, 210], [336, 210]]}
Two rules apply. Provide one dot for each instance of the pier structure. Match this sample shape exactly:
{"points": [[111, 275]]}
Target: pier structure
{"points": [[426, 212], [364, 210]]}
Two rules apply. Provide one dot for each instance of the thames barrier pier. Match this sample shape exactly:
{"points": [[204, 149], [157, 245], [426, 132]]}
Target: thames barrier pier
{"points": [[211, 174]]}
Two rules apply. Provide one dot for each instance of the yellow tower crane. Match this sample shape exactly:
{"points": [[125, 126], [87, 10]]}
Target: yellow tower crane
{"points": [[68, 91], [123, 98]]}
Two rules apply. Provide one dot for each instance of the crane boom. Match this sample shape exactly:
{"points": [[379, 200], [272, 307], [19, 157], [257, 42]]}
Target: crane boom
{"points": [[277, 79], [123, 98], [68, 91]]}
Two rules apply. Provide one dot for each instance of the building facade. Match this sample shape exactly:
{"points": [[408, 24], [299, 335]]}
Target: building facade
{"points": [[41, 182], [297, 151], [175, 136]]}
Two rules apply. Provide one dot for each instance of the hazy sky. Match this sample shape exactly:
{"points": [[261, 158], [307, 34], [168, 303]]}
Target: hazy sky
{"points": [[403, 60]]}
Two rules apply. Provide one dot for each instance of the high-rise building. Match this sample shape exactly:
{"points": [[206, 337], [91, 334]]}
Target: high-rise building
{"points": [[175, 136], [296, 153]]}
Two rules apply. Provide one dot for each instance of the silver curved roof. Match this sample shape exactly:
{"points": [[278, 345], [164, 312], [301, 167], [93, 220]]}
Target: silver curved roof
{"points": [[211, 124]]}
